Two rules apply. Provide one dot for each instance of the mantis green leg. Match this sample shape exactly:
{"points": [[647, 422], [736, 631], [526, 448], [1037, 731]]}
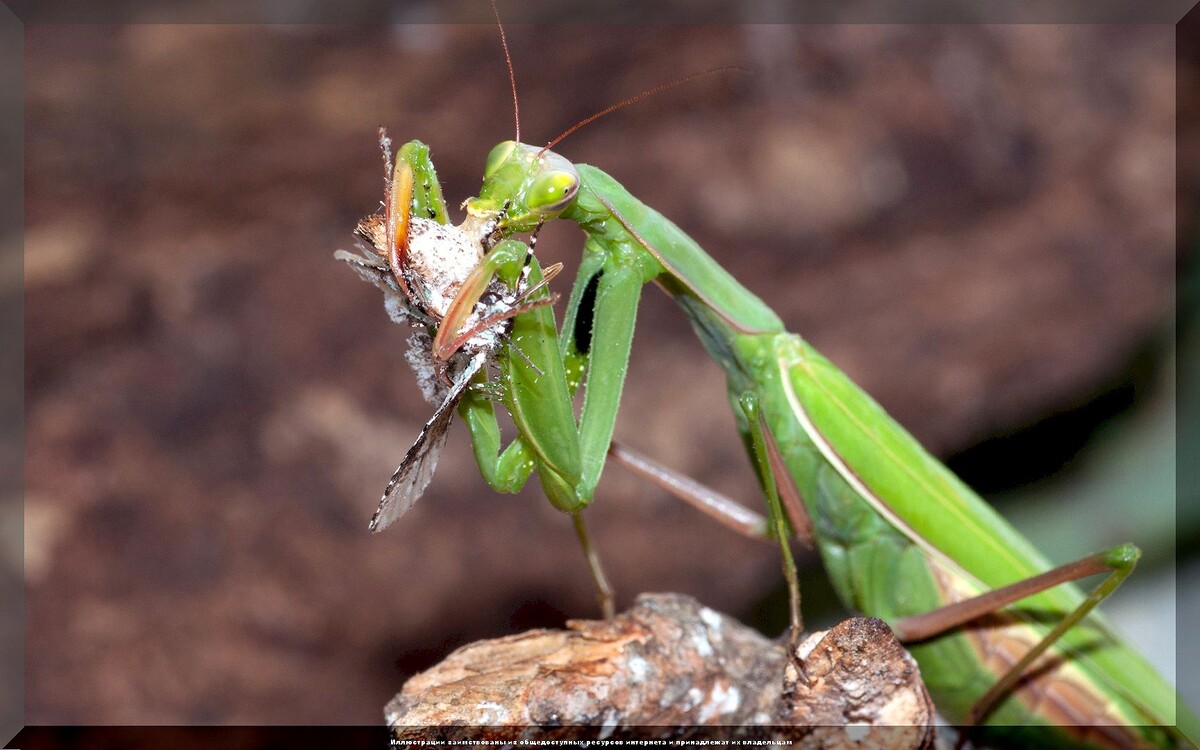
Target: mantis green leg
{"points": [[617, 296], [604, 590], [504, 471], [508, 471], [536, 391], [1121, 560], [569, 459], [719, 507], [532, 379], [759, 436]]}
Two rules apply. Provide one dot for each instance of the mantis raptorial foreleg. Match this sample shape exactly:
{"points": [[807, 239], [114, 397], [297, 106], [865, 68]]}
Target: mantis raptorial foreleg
{"points": [[480, 299]]}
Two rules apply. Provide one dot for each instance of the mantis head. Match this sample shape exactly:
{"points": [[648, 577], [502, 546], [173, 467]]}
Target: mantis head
{"points": [[536, 185]]}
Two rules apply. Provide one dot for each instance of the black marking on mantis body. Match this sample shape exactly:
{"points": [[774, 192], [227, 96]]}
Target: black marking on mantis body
{"points": [[582, 333]]}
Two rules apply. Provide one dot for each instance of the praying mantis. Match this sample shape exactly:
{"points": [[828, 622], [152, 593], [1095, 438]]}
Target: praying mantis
{"points": [[1003, 640]]}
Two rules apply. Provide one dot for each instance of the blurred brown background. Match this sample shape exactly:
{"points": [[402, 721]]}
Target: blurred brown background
{"points": [[975, 222]]}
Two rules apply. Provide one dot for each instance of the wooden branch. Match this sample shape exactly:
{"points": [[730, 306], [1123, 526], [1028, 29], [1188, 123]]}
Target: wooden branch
{"points": [[671, 668]]}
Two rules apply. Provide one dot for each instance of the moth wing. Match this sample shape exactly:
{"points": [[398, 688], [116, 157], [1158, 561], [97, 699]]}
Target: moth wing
{"points": [[373, 229], [416, 470], [375, 270], [370, 268]]}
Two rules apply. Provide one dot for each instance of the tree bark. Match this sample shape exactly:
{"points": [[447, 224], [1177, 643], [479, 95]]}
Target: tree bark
{"points": [[670, 668]]}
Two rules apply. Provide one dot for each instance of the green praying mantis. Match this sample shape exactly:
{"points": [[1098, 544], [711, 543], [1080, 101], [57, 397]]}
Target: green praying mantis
{"points": [[1004, 641]]}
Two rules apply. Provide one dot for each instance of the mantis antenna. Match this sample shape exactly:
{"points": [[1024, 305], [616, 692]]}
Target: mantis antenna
{"points": [[512, 82], [626, 102], [512, 77]]}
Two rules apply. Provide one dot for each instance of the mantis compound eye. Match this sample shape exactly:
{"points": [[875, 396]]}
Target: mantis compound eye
{"points": [[552, 191], [498, 156]]}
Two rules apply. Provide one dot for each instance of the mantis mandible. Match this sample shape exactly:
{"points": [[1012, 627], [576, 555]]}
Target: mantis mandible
{"points": [[1003, 640]]}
